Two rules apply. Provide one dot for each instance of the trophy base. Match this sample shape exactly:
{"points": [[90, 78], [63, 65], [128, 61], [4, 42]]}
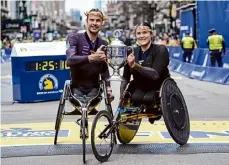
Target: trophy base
{"points": [[115, 78]]}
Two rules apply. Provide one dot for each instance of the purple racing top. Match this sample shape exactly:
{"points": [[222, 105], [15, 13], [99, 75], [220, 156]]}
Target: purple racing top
{"points": [[83, 73]]}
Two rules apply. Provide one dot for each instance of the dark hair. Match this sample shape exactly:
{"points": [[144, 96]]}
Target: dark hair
{"points": [[144, 24]]}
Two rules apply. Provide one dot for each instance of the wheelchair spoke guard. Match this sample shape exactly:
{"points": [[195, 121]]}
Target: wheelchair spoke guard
{"points": [[127, 131], [175, 112]]}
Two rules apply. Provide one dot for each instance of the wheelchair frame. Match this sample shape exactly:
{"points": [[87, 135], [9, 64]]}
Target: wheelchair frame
{"points": [[135, 114], [84, 109]]}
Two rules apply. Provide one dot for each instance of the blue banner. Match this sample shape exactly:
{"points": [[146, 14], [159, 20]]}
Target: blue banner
{"points": [[215, 74], [176, 52], [212, 14], [226, 59], [200, 56], [197, 73], [187, 22], [227, 81]]}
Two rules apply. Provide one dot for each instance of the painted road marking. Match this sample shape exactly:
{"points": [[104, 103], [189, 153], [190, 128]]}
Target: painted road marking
{"points": [[177, 77], [43, 133]]}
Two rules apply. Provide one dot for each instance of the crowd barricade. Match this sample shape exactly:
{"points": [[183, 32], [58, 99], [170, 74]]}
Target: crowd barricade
{"points": [[210, 74], [227, 81]]}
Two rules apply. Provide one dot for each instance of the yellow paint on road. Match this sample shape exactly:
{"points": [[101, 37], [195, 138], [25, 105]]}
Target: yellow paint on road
{"points": [[43, 133]]}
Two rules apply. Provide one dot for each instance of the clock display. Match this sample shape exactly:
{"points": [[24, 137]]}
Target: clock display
{"points": [[46, 65]]}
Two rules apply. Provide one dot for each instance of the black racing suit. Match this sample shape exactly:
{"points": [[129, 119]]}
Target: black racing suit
{"points": [[147, 76]]}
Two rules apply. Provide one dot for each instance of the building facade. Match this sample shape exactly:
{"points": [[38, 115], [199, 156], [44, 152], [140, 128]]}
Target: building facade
{"points": [[41, 16], [4, 9]]}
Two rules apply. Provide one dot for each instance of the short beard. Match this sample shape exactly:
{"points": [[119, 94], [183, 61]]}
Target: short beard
{"points": [[93, 33]]}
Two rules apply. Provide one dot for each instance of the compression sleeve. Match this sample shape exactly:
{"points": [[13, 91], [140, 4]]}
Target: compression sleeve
{"points": [[126, 76]]}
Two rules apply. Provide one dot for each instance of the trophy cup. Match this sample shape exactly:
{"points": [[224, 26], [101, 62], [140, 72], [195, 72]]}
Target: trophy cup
{"points": [[117, 53]]}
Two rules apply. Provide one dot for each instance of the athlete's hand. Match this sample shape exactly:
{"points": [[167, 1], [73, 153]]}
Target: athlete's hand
{"points": [[97, 56]]}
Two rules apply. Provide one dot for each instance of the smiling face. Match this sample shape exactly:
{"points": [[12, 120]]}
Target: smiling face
{"points": [[143, 35], [94, 22]]}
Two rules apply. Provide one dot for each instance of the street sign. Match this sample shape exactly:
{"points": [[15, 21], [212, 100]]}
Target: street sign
{"points": [[27, 20]]}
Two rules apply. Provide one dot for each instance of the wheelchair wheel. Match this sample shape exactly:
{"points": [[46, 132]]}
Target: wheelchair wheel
{"points": [[83, 135], [59, 118], [175, 112], [102, 147]]}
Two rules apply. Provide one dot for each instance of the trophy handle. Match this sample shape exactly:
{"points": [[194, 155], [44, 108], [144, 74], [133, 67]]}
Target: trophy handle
{"points": [[130, 50], [104, 48]]}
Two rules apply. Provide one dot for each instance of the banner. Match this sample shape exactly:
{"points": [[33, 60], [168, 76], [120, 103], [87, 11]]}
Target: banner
{"points": [[215, 74], [200, 56], [212, 14], [187, 23], [39, 49], [187, 69]]}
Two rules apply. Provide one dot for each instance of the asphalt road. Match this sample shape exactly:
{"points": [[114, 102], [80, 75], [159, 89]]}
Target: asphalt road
{"points": [[194, 159], [205, 101]]}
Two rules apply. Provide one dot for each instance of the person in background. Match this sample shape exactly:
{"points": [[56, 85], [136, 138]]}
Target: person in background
{"points": [[216, 45], [8, 49], [157, 40], [187, 44]]}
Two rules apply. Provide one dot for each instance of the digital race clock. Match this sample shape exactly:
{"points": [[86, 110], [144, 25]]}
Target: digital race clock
{"points": [[46, 65]]}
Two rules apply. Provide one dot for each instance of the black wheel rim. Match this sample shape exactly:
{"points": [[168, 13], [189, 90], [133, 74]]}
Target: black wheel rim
{"points": [[84, 141], [95, 139], [177, 112], [59, 118]]}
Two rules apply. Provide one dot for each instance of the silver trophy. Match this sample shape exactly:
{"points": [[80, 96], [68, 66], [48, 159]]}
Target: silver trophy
{"points": [[117, 53]]}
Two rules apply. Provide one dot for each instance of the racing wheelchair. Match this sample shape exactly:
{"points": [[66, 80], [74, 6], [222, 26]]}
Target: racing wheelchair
{"points": [[126, 121], [83, 107]]}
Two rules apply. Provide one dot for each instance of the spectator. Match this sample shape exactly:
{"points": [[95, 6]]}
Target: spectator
{"points": [[187, 44], [216, 47]]}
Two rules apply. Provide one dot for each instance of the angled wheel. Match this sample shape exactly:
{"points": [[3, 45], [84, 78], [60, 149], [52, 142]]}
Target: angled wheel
{"points": [[127, 131], [59, 117], [175, 112], [83, 135], [102, 146]]}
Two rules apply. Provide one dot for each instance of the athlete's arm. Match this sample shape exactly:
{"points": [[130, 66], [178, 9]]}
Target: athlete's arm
{"points": [[73, 58], [105, 74]]}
